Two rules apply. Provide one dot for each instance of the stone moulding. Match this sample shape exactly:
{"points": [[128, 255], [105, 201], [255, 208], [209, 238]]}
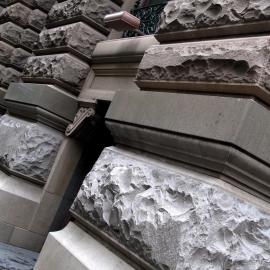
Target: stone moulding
{"points": [[233, 66], [184, 19], [170, 217], [228, 136]]}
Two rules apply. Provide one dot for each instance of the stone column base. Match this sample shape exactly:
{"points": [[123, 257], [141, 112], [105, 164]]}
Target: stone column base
{"points": [[72, 248]]}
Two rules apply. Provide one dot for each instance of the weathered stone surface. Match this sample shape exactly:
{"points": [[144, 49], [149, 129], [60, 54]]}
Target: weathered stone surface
{"points": [[18, 13], [28, 148], [78, 36], [11, 32], [29, 38], [171, 219], [5, 52], [8, 75], [94, 9], [63, 67], [193, 14], [13, 258], [19, 57], [37, 19], [232, 61], [44, 4]]}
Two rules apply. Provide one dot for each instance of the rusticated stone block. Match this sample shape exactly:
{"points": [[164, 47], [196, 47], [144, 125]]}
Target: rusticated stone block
{"points": [[37, 19], [63, 67], [26, 2], [78, 36], [11, 32], [8, 75], [18, 13], [19, 57], [240, 66], [5, 52], [181, 15], [28, 148], [94, 9], [172, 218], [29, 39], [44, 4]]}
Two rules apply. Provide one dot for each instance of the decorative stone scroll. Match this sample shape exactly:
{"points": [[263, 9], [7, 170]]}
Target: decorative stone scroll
{"points": [[172, 219], [239, 66]]}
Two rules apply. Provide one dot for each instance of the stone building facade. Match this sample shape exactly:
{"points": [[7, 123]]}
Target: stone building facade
{"points": [[143, 152]]}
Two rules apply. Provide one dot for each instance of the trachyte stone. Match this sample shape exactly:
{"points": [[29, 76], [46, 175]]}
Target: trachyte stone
{"points": [[44, 4], [179, 15], [19, 57], [5, 52], [173, 219], [28, 148], [231, 61], [94, 9], [63, 67], [8, 75], [78, 36], [11, 32], [37, 19], [29, 38]]}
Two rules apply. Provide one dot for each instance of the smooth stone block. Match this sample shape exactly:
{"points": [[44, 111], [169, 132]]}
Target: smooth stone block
{"points": [[194, 19], [173, 218], [62, 67], [237, 66], [78, 36], [27, 149], [72, 248], [6, 231]]}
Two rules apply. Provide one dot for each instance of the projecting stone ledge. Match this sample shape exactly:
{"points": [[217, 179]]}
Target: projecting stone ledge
{"points": [[171, 218], [27, 149], [193, 19], [78, 36], [65, 69], [239, 66]]}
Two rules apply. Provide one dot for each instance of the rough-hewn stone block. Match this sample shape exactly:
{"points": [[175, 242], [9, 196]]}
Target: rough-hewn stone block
{"points": [[63, 67], [180, 15], [19, 57], [8, 75], [5, 52], [18, 13], [240, 66], [44, 4], [37, 19], [11, 32], [29, 39], [28, 148], [173, 218], [78, 36], [94, 9]]}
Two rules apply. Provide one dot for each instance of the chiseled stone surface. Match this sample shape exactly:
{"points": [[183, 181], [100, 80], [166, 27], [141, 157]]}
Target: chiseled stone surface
{"points": [[79, 36], [63, 67], [228, 61], [28, 148], [13, 258], [44, 4], [94, 9], [37, 19], [171, 219], [194, 14], [19, 57], [29, 38], [8, 75], [5, 52]]}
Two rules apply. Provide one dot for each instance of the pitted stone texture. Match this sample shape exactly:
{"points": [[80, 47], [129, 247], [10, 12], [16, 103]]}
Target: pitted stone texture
{"points": [[8, 75], [37, 19], [29, 39], [63, 67], [226, 61], [79, 36], [5, 52], [19, 57], [193, 14], [44, 4], [28, 148], [18, 13], [171, 219], [94, 9], [13, 258]]}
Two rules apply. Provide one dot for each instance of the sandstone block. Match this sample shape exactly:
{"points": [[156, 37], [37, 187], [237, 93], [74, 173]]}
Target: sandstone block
{"points": [[93, 9], [5, 52], [8, 75], [37, 19], [63, 67], [78, 36], [172, 218], [238, 66], [28, 148], [180, 15], [18, 13]]}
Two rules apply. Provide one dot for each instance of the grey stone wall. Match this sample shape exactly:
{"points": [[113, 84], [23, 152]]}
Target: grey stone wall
{"points": [[172, 219]]}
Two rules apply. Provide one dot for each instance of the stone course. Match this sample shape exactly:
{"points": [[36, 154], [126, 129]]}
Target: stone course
{"points": [[171, 219]]}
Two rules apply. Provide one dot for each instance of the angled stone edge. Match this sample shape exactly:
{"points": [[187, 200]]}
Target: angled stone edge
{"points": [[233, 66], [192, 19], [2, 101], [46, 97], [226, 135], [122, 50]]}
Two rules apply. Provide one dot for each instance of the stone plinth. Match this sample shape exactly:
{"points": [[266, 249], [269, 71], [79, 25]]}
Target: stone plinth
{"points": [[239, 66], [171, 218], [185, 19]]}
